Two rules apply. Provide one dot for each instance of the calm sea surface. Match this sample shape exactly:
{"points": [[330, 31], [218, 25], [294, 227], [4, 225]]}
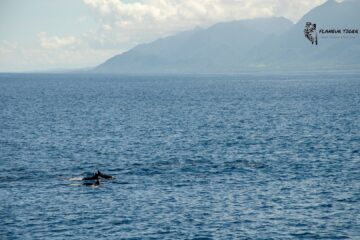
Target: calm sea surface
{"points": [[211, 157]]}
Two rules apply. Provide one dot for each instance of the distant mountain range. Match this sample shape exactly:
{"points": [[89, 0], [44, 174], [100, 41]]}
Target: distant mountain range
{"points": [[251, 45]]}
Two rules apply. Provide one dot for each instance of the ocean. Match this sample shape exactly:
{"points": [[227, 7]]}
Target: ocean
{"points": [[195, 157]]}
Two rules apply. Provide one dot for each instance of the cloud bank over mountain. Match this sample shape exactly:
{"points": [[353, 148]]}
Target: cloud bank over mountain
{"points": [[250, 45], [144, 21], [46, 34]]}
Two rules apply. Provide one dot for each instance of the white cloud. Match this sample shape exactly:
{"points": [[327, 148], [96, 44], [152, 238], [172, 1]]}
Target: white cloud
{"points": [[7, 47], [56, 42], [122, 24], [15, 57], [82, 19], [125, 24]]}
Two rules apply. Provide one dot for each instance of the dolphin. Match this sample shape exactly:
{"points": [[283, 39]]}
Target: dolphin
{"points": [[97, 183], [93, 177], [100, 174]]}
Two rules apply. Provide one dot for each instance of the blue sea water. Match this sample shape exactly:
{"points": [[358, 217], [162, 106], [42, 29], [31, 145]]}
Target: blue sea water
{"points": [[195, 157]]}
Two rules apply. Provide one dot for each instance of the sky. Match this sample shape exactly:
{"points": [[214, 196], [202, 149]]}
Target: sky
{"points": [[41, 35]]}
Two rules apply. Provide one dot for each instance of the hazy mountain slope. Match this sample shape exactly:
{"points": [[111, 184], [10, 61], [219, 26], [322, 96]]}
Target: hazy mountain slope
{"points": [[221, 47]]}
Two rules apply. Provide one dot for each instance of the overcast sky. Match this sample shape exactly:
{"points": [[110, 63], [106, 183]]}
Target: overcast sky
{"points": [[58, 34]]}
